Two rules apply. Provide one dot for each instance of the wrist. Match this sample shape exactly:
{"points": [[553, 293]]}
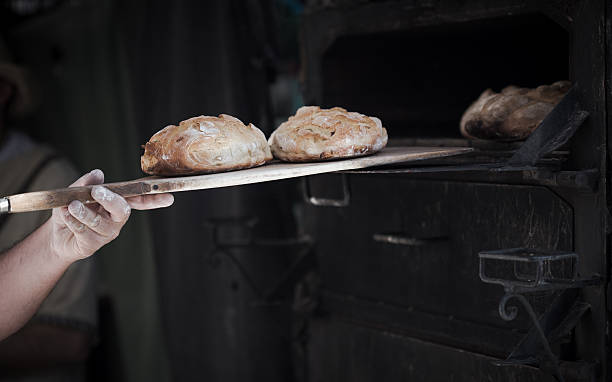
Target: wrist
{"points": [[56, 252]]}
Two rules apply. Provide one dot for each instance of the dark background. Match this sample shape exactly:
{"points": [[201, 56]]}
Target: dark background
{"points": [[111, 73]]}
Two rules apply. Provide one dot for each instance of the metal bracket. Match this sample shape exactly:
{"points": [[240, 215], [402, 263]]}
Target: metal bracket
{"points": [[554, 131], [219, 226], [510, 313], [536, 271], [242, 237], [533, 270], [584, 179], [327, 202]]}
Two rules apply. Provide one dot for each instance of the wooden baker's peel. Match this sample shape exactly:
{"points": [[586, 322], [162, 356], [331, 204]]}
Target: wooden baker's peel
{"points": [[43, 200]]}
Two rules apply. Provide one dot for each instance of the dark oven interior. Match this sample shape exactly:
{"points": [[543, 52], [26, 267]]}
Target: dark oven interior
{"points": [[420, 81]]}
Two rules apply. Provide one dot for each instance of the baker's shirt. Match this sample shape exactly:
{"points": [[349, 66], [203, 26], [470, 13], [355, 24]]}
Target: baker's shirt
{"points": [[72, 302]]}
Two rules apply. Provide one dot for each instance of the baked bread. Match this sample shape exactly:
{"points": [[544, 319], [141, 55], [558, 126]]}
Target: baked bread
{"points": [[319, 134], [204, 145], [512, 114]]}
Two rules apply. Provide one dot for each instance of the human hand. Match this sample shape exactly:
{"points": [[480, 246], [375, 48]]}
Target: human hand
{"points": [[79, 230]]}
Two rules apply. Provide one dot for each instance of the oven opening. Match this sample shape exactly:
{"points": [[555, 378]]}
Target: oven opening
{"points": [[420, 81]]}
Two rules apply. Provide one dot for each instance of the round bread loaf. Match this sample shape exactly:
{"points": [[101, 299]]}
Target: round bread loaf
{"points": [[512, 114], [320, 134], [205, 145]]}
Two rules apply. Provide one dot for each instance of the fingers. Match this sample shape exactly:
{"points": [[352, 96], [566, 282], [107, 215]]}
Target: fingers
{"points": [[94, 227], [93, 177], [73, 224], [149, 202], [86, 240], [117, 207], [79, 230], [92, 219], [120, 210]]}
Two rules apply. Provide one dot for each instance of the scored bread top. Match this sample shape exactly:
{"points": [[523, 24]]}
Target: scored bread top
{"points": [[318, 134], [205, 144]]}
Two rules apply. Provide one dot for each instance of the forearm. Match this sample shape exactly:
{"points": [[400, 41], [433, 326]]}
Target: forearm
{"points": [[28, 272]]}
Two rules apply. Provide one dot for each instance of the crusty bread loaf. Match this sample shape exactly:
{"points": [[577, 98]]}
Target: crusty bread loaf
{"points": [[512, 114], [318, 134], [204, 145]]}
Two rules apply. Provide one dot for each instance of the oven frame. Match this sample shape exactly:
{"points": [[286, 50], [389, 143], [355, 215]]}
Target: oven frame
{"points": [[580, 178]]}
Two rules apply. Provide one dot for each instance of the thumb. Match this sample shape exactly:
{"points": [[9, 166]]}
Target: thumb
{"points": [[93, 177]]}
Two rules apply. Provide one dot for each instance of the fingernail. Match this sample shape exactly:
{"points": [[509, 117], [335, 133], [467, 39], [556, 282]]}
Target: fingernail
{"points": [[97, 173], [77, 209], [102, 193]]}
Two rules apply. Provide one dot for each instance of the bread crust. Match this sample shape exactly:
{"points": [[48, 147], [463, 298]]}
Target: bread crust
{"points": [[203, 145], [512, 114], [314, 134]]}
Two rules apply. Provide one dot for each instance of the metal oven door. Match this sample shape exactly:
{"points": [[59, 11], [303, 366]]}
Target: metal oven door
{"points": [[398, 263]]}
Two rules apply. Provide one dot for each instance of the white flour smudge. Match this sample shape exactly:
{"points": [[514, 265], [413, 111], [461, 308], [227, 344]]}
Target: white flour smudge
{"points": [[103, 194]]}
